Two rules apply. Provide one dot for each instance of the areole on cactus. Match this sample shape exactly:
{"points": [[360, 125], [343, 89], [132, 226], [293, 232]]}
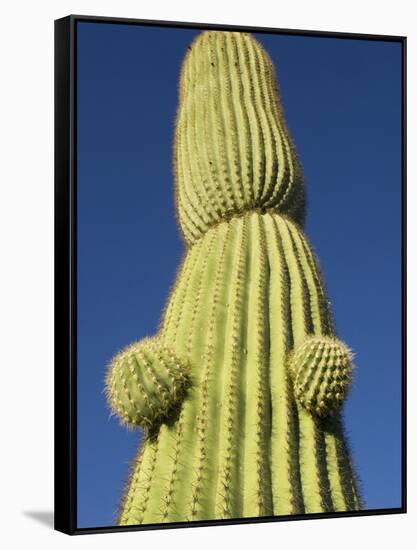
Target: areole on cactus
{"points": [[240, 391]]}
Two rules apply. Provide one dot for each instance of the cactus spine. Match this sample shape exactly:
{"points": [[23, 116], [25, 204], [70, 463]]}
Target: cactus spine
{"points": [[240, 391]]}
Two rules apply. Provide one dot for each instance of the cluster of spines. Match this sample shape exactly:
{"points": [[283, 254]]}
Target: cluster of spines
{"points": [[233, 151], [145, 383], [321, 369]]}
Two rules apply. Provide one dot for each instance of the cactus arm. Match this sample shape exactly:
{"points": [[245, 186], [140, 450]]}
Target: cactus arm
{"points": [[321, 369], [145, 383]]}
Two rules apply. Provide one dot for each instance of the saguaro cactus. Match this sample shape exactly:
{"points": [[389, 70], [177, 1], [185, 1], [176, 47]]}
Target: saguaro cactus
{"points": [[239, 393]]}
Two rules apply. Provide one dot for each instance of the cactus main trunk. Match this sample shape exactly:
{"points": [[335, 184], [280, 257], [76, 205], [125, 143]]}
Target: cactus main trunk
{"points": [[240, 391], [247, 293]]}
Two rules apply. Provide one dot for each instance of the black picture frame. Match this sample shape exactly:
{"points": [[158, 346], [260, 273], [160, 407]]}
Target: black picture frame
{"points": [[66, 270]]}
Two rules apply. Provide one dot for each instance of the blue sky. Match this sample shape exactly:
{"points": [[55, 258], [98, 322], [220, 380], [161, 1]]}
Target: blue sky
{"points": [[342, 101]]}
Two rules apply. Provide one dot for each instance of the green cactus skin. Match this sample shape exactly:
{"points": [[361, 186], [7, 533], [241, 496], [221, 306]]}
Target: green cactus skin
{"points": [[253, 376], [321, 368], [146, 383]]}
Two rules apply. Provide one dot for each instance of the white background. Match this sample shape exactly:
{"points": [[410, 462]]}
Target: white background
{"points": [[26, 271]]}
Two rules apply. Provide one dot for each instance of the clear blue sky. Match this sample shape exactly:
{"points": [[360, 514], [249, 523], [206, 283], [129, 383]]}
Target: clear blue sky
{"points": [[342, 103]]}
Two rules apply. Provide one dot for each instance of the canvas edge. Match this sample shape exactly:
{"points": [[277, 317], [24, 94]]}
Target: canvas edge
{"points": [[65, 394]]}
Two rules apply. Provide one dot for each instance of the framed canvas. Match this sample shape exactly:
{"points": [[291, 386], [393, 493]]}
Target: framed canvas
{"points": [[230, 274]]}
